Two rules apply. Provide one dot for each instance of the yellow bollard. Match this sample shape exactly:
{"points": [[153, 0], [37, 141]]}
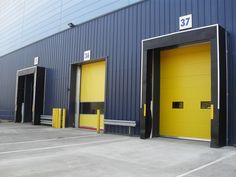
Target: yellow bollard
{"points": [[63, 118], [54, 117], [59, 118], [98, 121]]}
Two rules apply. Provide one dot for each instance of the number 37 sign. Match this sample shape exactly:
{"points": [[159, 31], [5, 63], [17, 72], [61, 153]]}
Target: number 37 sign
{"points": [[185, 22]]}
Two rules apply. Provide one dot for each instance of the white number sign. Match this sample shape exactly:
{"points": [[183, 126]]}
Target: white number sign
{"points": [[87, 55], [185, 22], [36, 60]]}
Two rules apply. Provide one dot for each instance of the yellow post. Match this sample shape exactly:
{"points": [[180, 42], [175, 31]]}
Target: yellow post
{"points": [[63, 118], [59, 118], [54, 117], [98, 121]]}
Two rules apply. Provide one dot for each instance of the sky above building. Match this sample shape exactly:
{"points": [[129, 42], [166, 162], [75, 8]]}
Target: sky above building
{"points": [[26, 21]]}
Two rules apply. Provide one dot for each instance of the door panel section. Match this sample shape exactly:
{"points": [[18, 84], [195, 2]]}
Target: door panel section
{"points": [[185, 91]]}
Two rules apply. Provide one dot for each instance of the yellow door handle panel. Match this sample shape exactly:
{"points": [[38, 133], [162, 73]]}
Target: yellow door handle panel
{"points": [[212, 111]]}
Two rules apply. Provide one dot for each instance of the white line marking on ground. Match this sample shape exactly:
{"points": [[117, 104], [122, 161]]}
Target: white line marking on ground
{"points": [[62, 146], [52, 139], [207, 165]]}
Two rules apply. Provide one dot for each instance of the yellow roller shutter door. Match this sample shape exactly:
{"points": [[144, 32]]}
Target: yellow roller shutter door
{"points": [[185, 91]]}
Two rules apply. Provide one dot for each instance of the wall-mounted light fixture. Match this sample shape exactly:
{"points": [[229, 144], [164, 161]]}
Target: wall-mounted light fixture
{"points": [[71, 25]]}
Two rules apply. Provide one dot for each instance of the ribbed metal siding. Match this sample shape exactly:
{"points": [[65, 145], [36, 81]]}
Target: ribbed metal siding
{"points": [[117, 36]]}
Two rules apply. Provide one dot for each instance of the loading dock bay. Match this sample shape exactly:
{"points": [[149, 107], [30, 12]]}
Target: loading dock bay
{"points": [[36, 151]]}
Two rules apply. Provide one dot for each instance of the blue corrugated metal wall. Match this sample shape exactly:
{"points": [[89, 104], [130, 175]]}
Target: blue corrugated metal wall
{"points": [[117, 35]]}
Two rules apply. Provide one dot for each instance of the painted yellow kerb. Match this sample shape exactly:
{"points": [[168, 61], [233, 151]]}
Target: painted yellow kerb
{"points": [[92, 90], [185, 75]]}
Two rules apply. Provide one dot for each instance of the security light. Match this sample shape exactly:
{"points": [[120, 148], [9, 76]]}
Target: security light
{"points": [[71, 25]]}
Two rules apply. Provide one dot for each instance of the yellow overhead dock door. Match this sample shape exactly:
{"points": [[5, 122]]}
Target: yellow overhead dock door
{"points": [[92, 94], [185, 92]]}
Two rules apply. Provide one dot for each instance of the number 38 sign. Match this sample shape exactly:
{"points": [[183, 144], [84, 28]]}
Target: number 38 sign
{"points": [[185, 22]]}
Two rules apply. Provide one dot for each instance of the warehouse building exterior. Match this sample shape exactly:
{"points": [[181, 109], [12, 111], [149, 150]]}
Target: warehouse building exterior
{"points": [[168, 65]]}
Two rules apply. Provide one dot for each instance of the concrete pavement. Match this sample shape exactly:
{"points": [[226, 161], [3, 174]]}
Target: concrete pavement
{"points": [[39, 151]]}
